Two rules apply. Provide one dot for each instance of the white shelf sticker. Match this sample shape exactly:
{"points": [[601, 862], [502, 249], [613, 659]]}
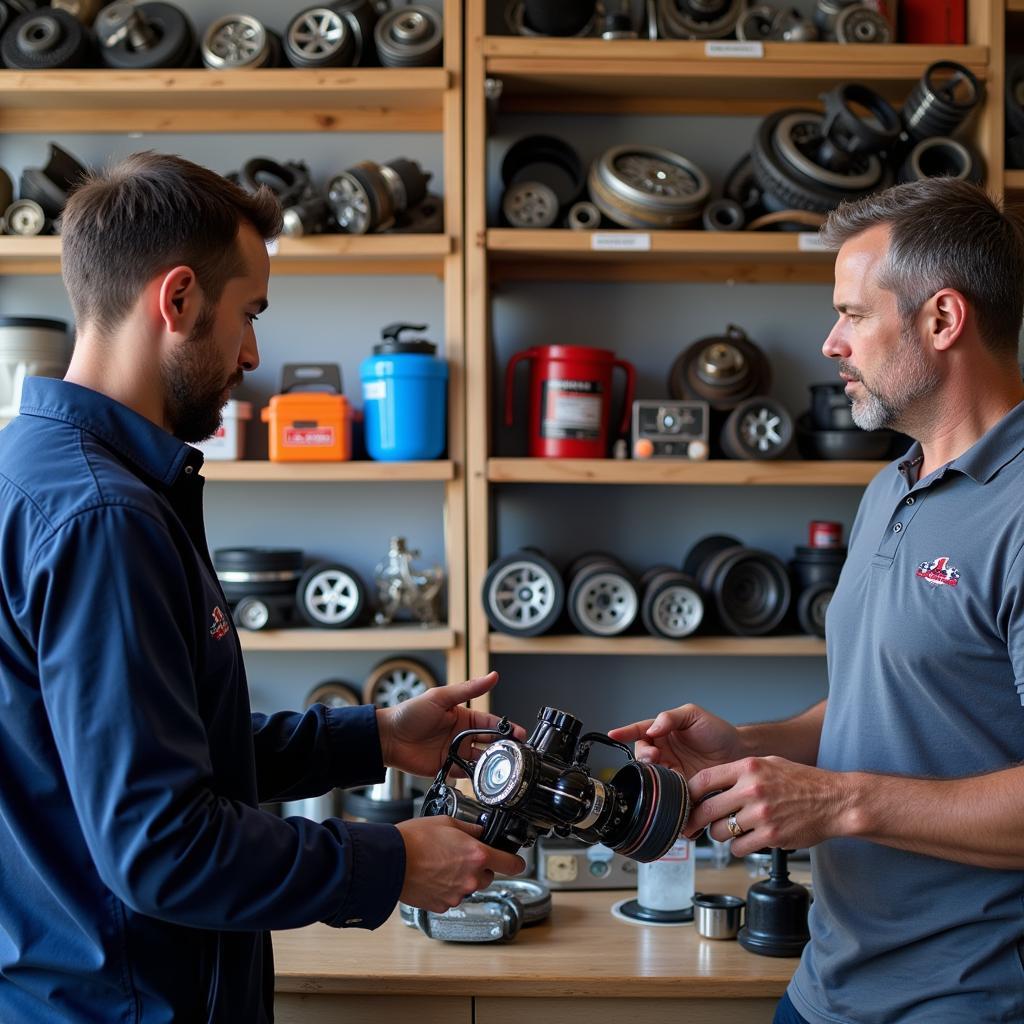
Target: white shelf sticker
{"points": [[810, 241], [620, 241], [718, 48], [272, 247]]}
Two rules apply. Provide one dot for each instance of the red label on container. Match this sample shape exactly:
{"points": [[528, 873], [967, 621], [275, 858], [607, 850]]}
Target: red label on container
{"points": [[308, 437]]}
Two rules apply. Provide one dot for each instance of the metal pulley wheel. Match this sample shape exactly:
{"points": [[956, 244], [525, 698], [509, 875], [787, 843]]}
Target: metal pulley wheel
{"points": [[239, 41], [46, 40], [523, 594], [136, 36], [601, 598], [723, 215], [530, 204], [543, 18], [409, 37], [396, 680], [331, 595], [289, 181], [84, 11], [812, 606], [940, 100], [860, 24], [583, 216], [648, 187], [759, 428], [722, 371], [368, 197], [750, 589], [698, 19], [939, 157], [334, 693], [785, 155], [672, 606], [549, 161], [319, 37], [25, 217], [533, 897]]}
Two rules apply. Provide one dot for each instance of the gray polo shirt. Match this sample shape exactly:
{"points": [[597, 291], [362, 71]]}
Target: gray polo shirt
{"points": [[925, 640]]}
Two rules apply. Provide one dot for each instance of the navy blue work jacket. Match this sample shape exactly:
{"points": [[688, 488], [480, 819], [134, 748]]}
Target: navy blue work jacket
{"points": [[138, 877]]}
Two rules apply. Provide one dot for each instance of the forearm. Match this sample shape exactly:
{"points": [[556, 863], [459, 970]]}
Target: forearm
{"points": [[795, 739], [977, 821]]}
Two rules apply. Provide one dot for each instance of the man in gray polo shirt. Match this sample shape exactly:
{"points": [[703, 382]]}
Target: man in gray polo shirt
{"points": [[907, 782]]}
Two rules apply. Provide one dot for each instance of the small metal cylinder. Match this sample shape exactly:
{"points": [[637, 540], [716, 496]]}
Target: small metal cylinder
{"points": [[717, 916]]}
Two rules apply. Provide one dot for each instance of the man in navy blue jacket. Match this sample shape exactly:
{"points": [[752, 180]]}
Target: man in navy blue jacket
{"points": [[138, 877]]}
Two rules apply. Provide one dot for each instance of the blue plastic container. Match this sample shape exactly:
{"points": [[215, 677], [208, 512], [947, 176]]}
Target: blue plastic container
{"points": [[405, 398]]}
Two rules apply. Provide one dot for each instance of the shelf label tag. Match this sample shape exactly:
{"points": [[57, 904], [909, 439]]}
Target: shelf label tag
{"points": [[620, 241], [272, 247], [717, 48], [810, 241]]}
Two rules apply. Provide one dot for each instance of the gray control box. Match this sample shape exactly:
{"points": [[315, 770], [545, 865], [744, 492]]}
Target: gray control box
{"points": [[670, 429], [568, 864]]}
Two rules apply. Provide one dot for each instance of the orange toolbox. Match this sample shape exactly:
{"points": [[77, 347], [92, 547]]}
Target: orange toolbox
{"points": [[311, 420]]}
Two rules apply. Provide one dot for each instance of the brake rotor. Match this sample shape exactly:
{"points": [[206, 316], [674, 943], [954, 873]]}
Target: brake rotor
{"points": [[860, 24], [396, 680], [319, 37], [759, 428], [24, 217], [698, 19], [45, 40], [410, 36], [672, 606], [523, 594], [331, 595], [647, 187], [721, 371], [137, 36], [238, 41], [602, 599]]}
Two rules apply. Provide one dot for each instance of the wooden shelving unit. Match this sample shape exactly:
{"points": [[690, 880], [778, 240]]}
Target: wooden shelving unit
{"points": [[391, 638], [261, 472], [699, 646]]}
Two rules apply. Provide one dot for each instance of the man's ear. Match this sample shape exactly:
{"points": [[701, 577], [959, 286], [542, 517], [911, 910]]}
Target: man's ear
{"points": [[947, 318], [179, 300]]}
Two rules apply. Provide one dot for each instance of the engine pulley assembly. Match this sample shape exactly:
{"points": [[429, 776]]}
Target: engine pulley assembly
{"points": [[722, 371], [411, 36], [940, 100], [319, 37], [758, 428], [135, 36]]}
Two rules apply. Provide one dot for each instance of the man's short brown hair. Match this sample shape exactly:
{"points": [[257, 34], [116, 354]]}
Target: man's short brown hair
{"points": [[146, 214]]}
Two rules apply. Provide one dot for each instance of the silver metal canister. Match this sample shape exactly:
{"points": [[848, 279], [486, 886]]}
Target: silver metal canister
{"points": [[717, 916]]}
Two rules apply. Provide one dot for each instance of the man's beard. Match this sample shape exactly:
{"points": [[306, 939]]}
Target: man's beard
{"points": [[194, 384], [906, 377]]}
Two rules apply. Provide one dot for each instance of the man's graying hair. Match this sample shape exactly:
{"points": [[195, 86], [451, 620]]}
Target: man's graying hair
{"points": [[945, 233]]}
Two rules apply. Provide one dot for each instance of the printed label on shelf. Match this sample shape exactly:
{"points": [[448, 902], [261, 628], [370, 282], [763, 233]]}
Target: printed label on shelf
{"points": [[272, 247], [620, 241], [717, 48], [810, 241], [308, 437]]}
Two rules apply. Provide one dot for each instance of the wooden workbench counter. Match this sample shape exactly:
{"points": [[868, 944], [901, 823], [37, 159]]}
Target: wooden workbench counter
{"points": [[577, 961]]}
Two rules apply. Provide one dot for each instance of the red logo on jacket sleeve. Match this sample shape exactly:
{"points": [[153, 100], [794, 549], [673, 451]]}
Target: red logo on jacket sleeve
{"points": [[221, 627]]}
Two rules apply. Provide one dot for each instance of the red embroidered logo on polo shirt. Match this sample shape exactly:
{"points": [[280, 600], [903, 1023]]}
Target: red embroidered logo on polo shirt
{"points": [[220, 627], [939, 572]]}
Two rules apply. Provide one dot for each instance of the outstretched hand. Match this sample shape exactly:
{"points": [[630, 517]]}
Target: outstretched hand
{"points": [[416, 734]]}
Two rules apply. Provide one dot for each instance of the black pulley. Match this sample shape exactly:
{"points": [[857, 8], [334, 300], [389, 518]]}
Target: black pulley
{"points": [[723, 215], [810, 566], [289, 181], [565, 18], [851, 445], [722, 371], [134, 36], [46, 40], [941, 100]]}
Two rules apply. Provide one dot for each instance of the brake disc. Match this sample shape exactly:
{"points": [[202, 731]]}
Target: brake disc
{"points": [[860, 24], [238, 41], [939, 157], [523, 594], [25, 217], [396, 680], [602, 599], [940, 100], [147, 35], [331, 595], [319, 37], [410, 36], [671, 606], [530, 204], [648, 187], [45, 40], [759, 428], [698, 19], [722, 371]]}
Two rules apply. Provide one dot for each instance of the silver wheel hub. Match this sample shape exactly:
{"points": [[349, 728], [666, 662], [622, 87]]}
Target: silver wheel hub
{"points": [[521, 595]]}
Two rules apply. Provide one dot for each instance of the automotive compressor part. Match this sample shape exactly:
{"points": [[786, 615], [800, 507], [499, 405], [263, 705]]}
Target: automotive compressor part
{"points": [[401, 587], [672, 606], [583, 216], [525, 790], [723, 215], [136, 36], [46, 40], [25, 217], [940, 157], [493, 914], [670, 430], [331, 595], [601, 598], [545, 160], [648, 187], [858, 23], [409, 37], [530, 204], [523, 594], [758, 428], [319, 37], [239, 41], [940, 100], [395, 680], [543, 18], [368, 197], [749, 588], [720, 370], [698, 19]]}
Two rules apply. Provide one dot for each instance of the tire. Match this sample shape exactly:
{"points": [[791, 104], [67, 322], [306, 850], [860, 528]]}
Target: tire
{"points": [[334, 693], [46, 40], [759, 428], [331, 596], [705, 549], [523, 594], [396, 680], [319, 37], [672, 606], [602, 599]]}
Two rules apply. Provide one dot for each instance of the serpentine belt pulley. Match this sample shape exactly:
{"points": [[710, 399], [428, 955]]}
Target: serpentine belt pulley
{"points": [[671, 606], [46, 40], [858, 23], [698, 19], [722, 371], [410, 36], [369, 197], [523, 594], [239, 41], [135, 36], [647, 187], [940, 100], [601, 598]]}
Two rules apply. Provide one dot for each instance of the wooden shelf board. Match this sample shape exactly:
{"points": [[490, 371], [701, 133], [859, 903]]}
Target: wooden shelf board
{"points": [[257, 471], [715, 472], [324, 254], [702, 646], [197, 100], [390, 638], [1014, 180], [1015, 6]]}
